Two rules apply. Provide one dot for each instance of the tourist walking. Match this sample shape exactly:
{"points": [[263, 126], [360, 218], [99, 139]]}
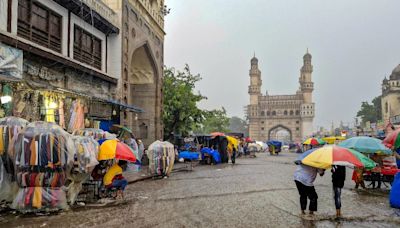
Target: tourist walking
{"points": [[338, 177], [304, 178]]}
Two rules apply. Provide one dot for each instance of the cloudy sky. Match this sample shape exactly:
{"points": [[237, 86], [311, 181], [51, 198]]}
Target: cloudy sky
{"points": [[354, 44]]}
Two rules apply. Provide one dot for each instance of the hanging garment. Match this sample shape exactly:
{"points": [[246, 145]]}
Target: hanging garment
{"points": [[61, 113], [37, 198], [1, 141]]}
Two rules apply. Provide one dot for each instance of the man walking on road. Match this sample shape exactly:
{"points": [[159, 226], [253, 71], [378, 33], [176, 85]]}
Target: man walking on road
{"points": [[304, 178]]}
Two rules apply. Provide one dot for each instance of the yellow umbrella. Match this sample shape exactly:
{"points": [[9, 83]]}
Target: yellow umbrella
{"points": [[332, 139]]}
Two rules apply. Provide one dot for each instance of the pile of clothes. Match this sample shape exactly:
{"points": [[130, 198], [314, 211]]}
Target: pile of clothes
{"points": [[161, 158]]}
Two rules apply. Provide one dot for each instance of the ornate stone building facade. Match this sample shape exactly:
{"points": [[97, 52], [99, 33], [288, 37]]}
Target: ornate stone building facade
{"points": [[142, 36], [391, 97], [268, 114]]}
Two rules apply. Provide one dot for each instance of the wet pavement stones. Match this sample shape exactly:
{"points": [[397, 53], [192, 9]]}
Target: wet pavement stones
{"points": [[255, 192]]}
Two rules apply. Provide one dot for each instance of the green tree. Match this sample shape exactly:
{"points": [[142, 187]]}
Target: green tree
{"points": [[237, 124], [377, 102], [370, 112], [180, 112], [214, 120]]}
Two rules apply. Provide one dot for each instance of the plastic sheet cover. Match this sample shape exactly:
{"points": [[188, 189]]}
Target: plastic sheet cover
{"points": [[161, 158], [85, 160], [96, 134], [43, 153]]}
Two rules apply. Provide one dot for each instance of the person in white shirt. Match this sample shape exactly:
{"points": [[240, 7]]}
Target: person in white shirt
{"points": [[304, 177]]}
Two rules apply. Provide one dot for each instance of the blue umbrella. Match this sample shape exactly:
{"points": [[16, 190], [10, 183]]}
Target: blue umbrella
{"points": [[366, 145]]}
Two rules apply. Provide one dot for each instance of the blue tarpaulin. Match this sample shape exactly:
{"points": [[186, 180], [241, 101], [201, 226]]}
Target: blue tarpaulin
{"points": [[394, 196], [213, 153], [274, 143], [189, 155]]}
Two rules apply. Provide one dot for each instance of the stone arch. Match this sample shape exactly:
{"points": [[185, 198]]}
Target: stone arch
{"points": [[144, 93], [277, 128]]}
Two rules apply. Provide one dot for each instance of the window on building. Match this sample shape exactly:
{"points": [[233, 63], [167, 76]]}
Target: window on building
{"points": [[268, 113], [297, 128], [297, 112], [262, 129], [273, 113], [262, 113], [87, 47], [291, 112], [285, 113], [262, 122], [297, 122], [39, 24], [386, 107]]}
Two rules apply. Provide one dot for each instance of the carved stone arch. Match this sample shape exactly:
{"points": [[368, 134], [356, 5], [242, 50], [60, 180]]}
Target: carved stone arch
{"points": [[144, 92], [279, 127]]}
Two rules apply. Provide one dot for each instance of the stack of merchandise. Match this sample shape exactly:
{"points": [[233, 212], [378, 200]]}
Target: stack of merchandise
{"points": [[161, 158], [42, 153], [9, 130], [85, 160]]}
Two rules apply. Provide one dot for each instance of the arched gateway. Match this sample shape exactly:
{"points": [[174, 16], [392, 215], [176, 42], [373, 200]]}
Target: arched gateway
{"points": [[281, 117]]}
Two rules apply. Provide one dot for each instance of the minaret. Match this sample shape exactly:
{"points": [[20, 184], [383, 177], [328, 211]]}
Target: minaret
{"points": [[255, 93], [306, 84], [255, 82], [307, 109]]}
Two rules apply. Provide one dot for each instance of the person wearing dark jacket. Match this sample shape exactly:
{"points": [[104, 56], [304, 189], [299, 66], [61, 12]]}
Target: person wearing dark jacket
{"points": [[338, 177]]}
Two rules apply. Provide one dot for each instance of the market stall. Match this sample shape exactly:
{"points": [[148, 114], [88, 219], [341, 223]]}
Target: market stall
{"points": [[43, 152], [161, 158], [9, 130]]}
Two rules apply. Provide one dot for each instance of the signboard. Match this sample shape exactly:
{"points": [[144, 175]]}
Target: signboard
{"points": [[11, 60], [395, 119], [100, 110]]}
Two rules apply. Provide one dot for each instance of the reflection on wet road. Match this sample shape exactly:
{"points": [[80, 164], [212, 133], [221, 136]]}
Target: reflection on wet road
{"points": [[256, 192]]}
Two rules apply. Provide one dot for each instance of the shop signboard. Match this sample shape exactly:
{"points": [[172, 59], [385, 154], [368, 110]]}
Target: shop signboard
{"points": [[395, 119], [11, 63], [101, 110]]}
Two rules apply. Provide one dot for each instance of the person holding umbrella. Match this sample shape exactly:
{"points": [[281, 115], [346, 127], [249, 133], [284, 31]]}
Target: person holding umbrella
{"points": [[304, 178], [338, 177]]}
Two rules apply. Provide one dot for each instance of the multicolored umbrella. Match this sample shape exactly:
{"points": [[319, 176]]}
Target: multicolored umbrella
{"points": [[366, 145], [314, 142], [327, 156], [392, 140], [113, 148]]}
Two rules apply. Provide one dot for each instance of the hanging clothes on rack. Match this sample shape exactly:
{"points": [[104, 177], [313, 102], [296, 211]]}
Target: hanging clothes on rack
{"points": [[43, 151]]}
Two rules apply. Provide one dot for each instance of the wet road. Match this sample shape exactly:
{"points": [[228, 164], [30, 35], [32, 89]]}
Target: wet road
{"points": [[252, 193]]}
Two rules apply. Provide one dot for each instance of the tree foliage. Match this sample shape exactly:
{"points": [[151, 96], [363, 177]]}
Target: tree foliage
{"points": [[180, 112], [237, 124], [214, 120], [370, 112]]}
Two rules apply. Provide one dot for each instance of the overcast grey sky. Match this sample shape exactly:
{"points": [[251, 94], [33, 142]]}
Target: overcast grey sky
{"points": [[354, 44]]}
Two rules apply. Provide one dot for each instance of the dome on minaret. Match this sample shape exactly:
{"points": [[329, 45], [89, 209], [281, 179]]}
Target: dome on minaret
{"points": [[254, 60], [395, 73], [307, 56]]}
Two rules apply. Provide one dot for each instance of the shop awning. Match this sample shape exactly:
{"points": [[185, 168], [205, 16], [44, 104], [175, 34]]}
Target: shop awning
{"points": [[131, 108]]}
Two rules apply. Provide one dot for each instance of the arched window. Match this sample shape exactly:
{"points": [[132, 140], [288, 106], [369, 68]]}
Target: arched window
{"points": [[268, 113], [273, 113], [297, 112], [262, 113], [285, 113], [291, 112]]}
